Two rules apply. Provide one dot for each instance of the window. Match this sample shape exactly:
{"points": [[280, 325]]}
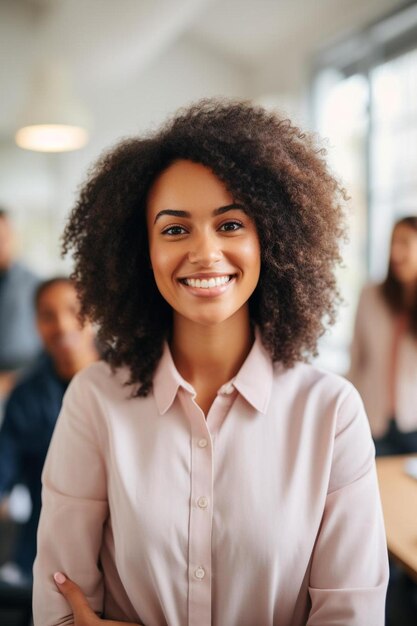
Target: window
{"points": [[365, 103]]}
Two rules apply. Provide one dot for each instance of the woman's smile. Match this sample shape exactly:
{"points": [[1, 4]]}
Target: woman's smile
{"points": [[208, 286]]}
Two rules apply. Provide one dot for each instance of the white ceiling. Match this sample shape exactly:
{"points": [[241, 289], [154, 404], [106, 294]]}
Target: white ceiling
{"points": [[110, 41], [251, 31]]}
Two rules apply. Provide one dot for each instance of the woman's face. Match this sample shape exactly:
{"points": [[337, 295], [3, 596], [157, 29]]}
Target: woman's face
{"points": [[204, 248], [403, 258]]}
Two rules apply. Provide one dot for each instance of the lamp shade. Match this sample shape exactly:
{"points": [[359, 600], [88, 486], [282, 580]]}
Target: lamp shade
{"points": [[52, 120]]}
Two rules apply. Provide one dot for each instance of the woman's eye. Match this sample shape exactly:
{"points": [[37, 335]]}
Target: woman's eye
{"points": [[174, 231], [231, 226]]}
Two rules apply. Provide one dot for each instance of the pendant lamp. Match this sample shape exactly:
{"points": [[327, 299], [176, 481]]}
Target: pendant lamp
{"points": [[52, 120]]}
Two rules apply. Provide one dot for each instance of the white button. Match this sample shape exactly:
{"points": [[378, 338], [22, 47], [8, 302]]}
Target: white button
{"points": [[199, 573], [202, 502], [227, 388], [202, 443]]}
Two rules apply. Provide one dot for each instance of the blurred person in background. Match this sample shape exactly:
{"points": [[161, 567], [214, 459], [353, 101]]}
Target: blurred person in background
{"points": [[33, 406], [384, 347], [19, 341]]}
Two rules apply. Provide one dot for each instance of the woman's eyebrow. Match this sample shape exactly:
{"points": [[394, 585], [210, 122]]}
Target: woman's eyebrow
{"points": [[228, 207], [178, 213], [173, 212]]}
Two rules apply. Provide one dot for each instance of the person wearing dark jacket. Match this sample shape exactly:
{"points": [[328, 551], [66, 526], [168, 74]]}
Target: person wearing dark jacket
{"points": [[34, 404]]}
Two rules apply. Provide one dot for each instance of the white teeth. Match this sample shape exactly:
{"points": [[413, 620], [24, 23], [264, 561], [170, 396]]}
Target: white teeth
{"points": [[207, 283]]}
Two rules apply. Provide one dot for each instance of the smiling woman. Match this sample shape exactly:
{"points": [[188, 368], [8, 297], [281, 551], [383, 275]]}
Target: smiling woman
{"points": [[219, 479]]}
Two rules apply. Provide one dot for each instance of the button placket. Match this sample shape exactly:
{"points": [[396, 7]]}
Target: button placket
{"points": [[201, 518]]}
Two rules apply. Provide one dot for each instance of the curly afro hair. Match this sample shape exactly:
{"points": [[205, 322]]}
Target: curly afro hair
{"points": [[270, 167]]}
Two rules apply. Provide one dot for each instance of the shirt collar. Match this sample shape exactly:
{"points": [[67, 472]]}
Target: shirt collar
{"points": [[167, 380], [253, 381]]}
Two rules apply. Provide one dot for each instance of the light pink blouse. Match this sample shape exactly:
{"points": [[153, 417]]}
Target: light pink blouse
{"points": [[371, 354], [267, 513]]}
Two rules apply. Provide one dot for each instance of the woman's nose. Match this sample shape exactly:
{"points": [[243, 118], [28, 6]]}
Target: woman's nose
{"points": [[205, 251]]}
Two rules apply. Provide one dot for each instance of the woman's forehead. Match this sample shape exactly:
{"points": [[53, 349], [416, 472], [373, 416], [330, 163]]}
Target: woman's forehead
{"points": [[187, 185]]}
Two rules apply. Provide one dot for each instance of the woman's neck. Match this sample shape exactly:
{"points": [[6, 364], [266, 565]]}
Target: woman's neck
{"points": [[209, 356]]}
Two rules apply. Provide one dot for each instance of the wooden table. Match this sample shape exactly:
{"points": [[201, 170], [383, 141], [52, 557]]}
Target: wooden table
{"points": [[399, 503]]}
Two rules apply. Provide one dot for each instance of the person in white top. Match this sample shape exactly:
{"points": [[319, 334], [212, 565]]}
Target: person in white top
{"points": [[206, 475], [384, 347]]}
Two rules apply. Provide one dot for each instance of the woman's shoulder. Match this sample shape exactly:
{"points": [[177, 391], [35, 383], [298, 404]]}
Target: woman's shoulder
{"points": [[310, 378], [322, 399], [102, 378]]}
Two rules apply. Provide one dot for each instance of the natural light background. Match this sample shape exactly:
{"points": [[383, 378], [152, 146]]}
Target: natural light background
{"points": [[365, 103]]}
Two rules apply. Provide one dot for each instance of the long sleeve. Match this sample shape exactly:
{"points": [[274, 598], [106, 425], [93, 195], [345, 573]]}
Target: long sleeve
{"points": [[349, 571], [74, 510]]}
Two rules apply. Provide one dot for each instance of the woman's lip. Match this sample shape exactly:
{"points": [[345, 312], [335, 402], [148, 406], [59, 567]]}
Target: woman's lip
{"points": [[208, 292]]}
